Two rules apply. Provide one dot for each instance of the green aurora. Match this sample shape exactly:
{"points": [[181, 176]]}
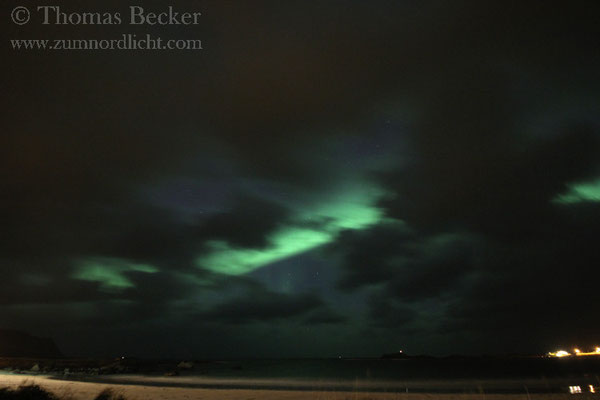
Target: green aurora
{"points": [[580, 192], [110, 272], [354, 209]]}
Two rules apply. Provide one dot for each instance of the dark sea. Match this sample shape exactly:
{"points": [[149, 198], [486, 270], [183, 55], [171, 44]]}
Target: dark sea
{"points": [[405, 369]]}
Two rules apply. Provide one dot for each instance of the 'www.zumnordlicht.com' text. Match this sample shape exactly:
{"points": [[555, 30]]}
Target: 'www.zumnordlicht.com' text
{"points": [[125, 42]]}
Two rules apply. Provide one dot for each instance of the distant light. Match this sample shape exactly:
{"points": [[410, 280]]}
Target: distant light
{"points": [[574, 389], [592, 389], [562, 353], [577, 352]]}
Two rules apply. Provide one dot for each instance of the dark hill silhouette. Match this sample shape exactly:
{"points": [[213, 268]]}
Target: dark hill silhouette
{"points": [[20, 344]]}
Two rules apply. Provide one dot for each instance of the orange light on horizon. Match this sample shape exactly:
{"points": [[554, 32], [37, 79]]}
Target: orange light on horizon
{"points": [[576, 352], [560, 353]]}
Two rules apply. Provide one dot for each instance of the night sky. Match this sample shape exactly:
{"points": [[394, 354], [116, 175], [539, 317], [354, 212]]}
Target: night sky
{"points": [[324, 178]]}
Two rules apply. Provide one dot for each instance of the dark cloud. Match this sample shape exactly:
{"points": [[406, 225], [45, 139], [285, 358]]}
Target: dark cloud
{"points": [[388, 313], [247, 224], [411, 267], [473, 182], [263, 306], [499, 294], [539, 284], [156, 235], [51, 291], [367, 259], [324, 316]]}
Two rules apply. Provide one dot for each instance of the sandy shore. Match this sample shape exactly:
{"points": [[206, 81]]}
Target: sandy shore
{"points": [[82, 390]]}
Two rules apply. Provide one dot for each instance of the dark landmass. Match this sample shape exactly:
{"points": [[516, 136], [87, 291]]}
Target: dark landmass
{"points": [[20, 344], [394, 356]]}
